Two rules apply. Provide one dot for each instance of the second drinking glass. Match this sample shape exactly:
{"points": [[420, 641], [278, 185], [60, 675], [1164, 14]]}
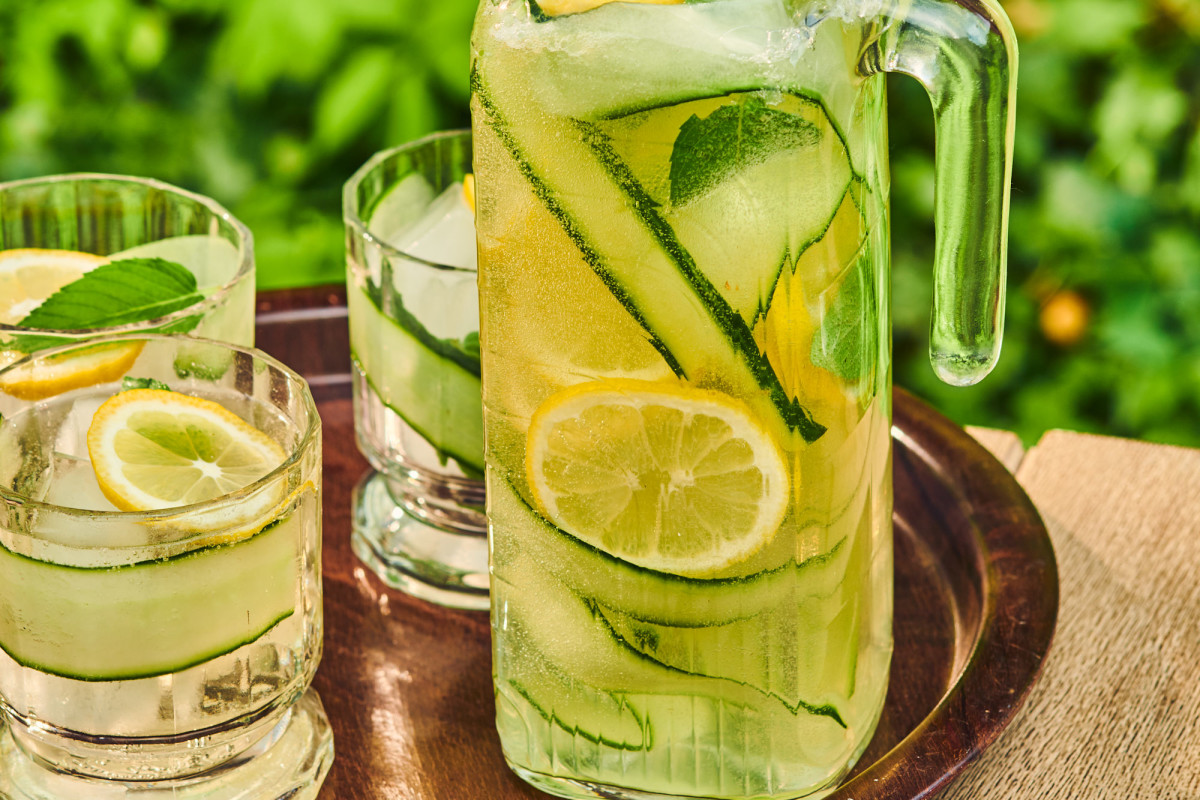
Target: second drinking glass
{"points": [[414, 323]]}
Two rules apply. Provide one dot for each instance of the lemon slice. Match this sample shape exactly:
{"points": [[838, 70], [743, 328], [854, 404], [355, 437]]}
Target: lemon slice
{"points": [[46, 376], [153, 449], [468, 185], [231, 527], [29, 276], [660, 474], [555, 8]]}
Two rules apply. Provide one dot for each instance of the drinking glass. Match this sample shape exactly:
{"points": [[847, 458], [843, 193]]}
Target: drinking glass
{"points": [[414, 321], [159, 653], [686, 347], [55, 229]]}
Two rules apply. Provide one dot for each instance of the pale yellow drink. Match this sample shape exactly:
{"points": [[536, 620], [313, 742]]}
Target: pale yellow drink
{"points": [[686, 385]]}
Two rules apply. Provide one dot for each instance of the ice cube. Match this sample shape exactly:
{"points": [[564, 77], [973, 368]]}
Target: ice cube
{"points": [[397, 209], [72, 484], [71, 440], [445, 233]]}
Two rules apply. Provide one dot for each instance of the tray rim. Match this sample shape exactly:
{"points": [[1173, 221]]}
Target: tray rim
{"points": [[1010, 526]]}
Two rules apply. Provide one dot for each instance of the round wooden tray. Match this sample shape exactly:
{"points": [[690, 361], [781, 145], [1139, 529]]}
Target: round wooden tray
{"points": [[407, 685]]}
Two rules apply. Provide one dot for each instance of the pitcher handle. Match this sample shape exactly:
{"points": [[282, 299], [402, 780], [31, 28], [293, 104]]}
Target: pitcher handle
{"points": [[964, 53]]}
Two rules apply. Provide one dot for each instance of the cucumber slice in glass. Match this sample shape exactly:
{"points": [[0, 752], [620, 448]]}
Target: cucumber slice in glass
{"points": [[150, 618], [431, 385]]}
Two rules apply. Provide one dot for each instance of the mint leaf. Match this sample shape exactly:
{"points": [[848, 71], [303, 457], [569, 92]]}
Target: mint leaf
{"points": [[470, 344], [730, 139], [122, 292], [847, 340], [118, 293], [464, 353], [128, 383]]}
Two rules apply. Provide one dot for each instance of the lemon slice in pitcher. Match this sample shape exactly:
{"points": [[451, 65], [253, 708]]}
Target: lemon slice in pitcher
{"points": [[556, 8], [153, 449], [657, 473]]}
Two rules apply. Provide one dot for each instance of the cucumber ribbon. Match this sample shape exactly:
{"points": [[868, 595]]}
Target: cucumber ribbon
{"points": [[671, 298]]}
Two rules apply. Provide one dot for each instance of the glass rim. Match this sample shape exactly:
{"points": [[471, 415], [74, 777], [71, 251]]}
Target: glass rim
{"points": [[245, 251], [353, 219], [306, 440]]}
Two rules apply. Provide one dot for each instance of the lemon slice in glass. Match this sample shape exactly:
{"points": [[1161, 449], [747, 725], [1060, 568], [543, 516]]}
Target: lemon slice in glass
{"points": [[49, 375], [468, 185], [28, 276], [153, 449], [657, 473]]}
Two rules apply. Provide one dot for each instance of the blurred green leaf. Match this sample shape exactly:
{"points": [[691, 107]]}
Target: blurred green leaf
{"points": [[1077, 203], [1095, 26], [1145, 399], [1132, 329], [411, 112], [452, 61], [352, 96], [1141, 104], [270, 40], [147, 40], [1190, 185]]}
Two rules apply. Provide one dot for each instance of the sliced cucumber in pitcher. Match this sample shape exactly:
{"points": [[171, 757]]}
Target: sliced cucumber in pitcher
{"points": [[803, 650], [574, 707], [151, 618], [432, 384], [620, 233], [761, 652], [753, 179], [645, 594], [828, 671], [568, 632], [549, 630]]}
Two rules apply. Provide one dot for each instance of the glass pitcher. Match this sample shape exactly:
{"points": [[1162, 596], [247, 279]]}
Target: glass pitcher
{"points": [[682, 222]]}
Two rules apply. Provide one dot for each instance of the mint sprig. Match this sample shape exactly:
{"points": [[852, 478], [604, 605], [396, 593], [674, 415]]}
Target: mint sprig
{"points": [[846, 342], [730, 139], [129, 383], [122, 292]]}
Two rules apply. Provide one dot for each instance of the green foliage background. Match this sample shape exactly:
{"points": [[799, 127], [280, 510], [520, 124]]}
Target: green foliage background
{"points": [[269, 105]]}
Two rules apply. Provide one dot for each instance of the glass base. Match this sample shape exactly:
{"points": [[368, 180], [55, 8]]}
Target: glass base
{"points": [[410, 554], [292, 767]]}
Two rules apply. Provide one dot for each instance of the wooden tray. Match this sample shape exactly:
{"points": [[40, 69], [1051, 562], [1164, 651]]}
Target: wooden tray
{"points": [[407, 685]]}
